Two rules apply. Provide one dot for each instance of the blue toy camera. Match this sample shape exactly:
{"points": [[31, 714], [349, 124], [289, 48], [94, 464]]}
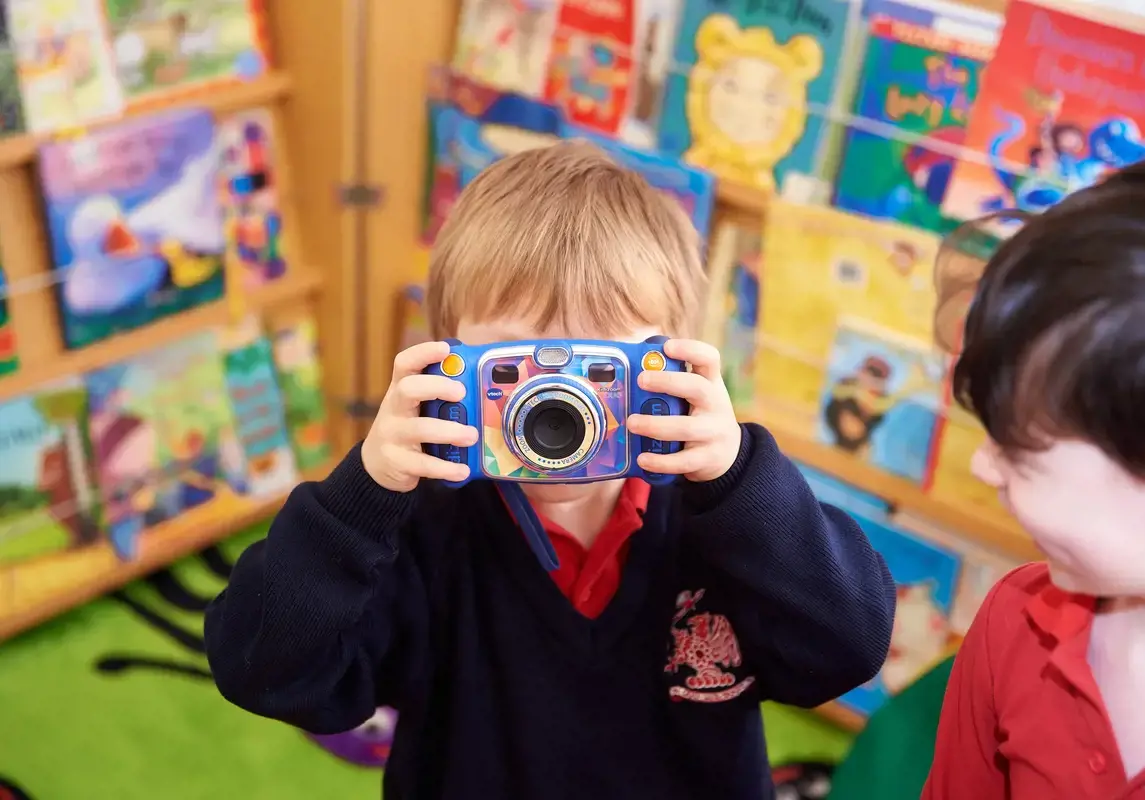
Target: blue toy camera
{"points": [[554, 411]]}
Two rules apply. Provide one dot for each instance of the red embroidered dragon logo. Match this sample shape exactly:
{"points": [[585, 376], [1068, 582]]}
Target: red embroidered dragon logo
{"points": [[704, 643]]}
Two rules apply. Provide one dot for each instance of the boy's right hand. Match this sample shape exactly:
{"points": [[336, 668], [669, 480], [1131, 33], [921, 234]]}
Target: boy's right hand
{"points": [[392, 452]]}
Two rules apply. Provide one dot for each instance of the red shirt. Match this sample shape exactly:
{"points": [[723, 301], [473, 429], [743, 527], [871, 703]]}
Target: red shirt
{"points": [[589, 577], [1023, 718]]}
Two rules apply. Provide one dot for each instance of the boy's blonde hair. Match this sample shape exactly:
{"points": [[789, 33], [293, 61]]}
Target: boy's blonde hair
{"points": [[562, 237]]}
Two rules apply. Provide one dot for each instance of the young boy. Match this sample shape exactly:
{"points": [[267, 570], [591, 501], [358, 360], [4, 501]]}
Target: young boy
{"points": [[1045, 697], [637, 668]]}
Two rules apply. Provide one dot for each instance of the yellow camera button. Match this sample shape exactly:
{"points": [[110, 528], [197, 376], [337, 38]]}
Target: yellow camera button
{"points": [[453, 365], [653, 361]]}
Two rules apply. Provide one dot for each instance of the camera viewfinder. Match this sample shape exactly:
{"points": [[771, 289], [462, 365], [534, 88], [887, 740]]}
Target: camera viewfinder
{"points": [[505, 373], [601, 373]]}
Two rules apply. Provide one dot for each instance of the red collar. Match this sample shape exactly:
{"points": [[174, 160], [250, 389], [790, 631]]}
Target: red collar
{"points": [[1066, 619]]}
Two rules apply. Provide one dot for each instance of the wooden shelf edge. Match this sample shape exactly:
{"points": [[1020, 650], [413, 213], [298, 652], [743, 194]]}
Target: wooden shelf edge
{"points": [[160, 546], [838, 714], [992, 531], [21, 149], [125, 345]]}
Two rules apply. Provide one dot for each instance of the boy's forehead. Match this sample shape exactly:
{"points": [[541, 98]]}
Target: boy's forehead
{"points": [[506, 329]]}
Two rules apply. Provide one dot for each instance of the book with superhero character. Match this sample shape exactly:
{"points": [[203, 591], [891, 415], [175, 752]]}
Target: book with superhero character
{"points": [[135, 222], [752, 85], [917, 89], [1061, 106]]}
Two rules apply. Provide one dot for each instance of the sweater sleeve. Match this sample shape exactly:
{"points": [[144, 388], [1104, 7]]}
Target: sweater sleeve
{"points": [[321, 621], [820, 601]]}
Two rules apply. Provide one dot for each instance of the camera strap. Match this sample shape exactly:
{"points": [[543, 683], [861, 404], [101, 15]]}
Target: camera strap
{"points": [[530, 524]]}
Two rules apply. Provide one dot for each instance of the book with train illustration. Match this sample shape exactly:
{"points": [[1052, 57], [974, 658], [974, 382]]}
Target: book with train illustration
{"points": [[49, 503], [881, 398], [64, 64], [926, 575], [1059, 108], [159, 46], [295, 348], [248, 178], [751, 87], [259, 411], [732, 311], [162, 430], [828, 272], [9, 359], [135, 222], [918, 84]]}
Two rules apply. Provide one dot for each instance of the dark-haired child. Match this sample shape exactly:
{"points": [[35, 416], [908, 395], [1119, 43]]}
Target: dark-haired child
{"points": [[1047, 692]]}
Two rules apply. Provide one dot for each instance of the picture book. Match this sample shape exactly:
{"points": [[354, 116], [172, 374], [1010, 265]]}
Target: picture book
{"points": [[259, 412], [917, 89], [161, 44], [135, 222], [880, 400], [63, 63], [48, 500], [844, 496], [1060, 107], [732, 311], [926, 576], [11, 105], [653, 45], [8, 357], [751, 86], [506, 43], [162, 429], [251, 210], [300, 378], [948, 17], [824, 267]]}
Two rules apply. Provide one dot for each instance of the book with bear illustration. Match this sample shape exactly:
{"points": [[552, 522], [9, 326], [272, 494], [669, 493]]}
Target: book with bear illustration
{"points": [[135, 222], [48, 499], [826, 271], [162, 429], [917, 82], [1059, 108], [926, 575], [751, 87], [295, 348]]}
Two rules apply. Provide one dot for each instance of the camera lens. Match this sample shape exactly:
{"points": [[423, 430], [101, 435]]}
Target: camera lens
{"points": [[554, 429]]}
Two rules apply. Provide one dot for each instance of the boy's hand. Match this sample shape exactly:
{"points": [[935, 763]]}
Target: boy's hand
{"points": [[392, 451], [710, 432]]}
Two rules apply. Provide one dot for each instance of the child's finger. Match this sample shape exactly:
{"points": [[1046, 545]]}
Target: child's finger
{"points": [[423, 465], [704, 358], [412, 390], [681, 463], [429, 430], [670, 429], [690, 386], [414, 359]]}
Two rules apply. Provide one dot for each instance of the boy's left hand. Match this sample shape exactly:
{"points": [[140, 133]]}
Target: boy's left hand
{"points": [[710, 432]]}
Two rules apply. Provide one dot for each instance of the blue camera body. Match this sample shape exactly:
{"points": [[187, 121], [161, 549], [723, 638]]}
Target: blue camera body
{"points": [[554, 410]]}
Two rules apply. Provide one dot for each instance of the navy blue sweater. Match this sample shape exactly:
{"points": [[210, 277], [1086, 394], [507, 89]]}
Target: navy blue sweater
{"points": [[735, 591]]}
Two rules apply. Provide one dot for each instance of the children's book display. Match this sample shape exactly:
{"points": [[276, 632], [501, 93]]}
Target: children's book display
{"points": [[295, 349], [135, 222], [1059, 108], [83, 61], [917, 82], [846, 313], [733, 305], [751, 87]]}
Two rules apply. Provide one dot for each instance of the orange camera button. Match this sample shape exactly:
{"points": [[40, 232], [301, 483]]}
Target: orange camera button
{"points": [[653, 361], [453, 365]]}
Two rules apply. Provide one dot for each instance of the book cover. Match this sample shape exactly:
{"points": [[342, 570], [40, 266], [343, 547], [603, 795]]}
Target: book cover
{"points": [[1060, 107], [844, 496], [11, 104], [917, 82], [259, 411], [506, 43], [732, 312], [821, 266], [48, 500], [162, 44], [163, 434], [751, 85], [880, 399], [248, 178], [8, 356], [64, 64], [926, 576], [300, 378], [135, 223], [653, 45]]}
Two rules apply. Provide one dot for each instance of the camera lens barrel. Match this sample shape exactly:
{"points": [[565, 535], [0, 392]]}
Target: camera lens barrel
{"points": [[554, 423]]}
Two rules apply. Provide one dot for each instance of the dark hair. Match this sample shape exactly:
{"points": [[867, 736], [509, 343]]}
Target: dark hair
{"points": [[1054, 340]]}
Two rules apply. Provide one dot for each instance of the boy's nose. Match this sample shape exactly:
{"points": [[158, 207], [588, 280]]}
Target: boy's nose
{"points": [[985, 465]]}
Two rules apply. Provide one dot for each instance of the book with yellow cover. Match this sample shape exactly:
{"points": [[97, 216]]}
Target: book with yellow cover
{"points": [[846, 319]]}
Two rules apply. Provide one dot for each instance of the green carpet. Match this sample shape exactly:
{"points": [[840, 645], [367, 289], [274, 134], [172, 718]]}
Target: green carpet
{"points": [[82, 714]]}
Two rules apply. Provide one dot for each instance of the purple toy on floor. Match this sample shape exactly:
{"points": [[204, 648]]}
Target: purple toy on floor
{"points": [[368, 745]]}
